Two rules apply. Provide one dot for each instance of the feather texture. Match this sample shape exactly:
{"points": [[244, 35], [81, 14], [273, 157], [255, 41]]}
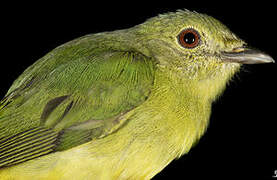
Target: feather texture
{"points": [[67, 105], [115, 105]]}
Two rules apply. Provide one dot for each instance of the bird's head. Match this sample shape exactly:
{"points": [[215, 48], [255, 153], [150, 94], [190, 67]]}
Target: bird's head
{"points": [[197, 47]]}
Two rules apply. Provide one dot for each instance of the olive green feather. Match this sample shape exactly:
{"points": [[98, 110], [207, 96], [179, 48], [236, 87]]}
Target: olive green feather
{"points": [[63, 104], [121, 104]]}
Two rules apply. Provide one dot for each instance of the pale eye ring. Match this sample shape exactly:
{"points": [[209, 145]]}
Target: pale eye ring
{"points": [[189, 38]]}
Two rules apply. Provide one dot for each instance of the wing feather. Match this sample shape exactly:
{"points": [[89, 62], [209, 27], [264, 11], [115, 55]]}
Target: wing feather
{"points": [[57, 104]]}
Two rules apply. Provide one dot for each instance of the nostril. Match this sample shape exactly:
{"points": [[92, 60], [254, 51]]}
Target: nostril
{"points": [[239, 49]]}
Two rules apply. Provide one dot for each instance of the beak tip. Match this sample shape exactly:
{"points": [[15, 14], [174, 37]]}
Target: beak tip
{"points": [[264, 58]]}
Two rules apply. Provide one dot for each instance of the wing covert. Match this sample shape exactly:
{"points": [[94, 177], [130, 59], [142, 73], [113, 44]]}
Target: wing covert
{"points": [[76, 100]]}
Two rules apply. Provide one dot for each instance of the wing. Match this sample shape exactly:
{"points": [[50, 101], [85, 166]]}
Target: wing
{"points": [[69, 97]]}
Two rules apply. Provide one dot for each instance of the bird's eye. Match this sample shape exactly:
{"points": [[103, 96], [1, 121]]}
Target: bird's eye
{"points": [[189, 38]]}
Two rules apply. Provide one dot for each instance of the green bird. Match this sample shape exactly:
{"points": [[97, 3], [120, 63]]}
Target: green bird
{"points": [[121, 104]]}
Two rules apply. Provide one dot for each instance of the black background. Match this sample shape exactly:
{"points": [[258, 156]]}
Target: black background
{"points": [[241, 139]]}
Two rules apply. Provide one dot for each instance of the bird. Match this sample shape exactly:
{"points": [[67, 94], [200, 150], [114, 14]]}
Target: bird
{"points": [[121, 104]]}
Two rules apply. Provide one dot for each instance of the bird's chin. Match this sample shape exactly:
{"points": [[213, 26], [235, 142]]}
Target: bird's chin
{"points": [[223, 72], [229, 69], [233, 66]]}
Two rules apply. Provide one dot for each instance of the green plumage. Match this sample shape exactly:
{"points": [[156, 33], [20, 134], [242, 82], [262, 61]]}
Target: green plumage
{"points": [[78, 100], [119, 105]]}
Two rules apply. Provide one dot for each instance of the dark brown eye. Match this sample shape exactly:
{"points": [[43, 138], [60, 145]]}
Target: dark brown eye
{"points": [[189, 38]]}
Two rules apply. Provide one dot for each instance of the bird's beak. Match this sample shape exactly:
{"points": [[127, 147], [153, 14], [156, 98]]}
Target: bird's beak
{"points": [[246, 56]]}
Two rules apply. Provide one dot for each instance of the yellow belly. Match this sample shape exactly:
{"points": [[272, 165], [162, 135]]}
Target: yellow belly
{"points": [[78, 163], [118, 156], [121, 155]]}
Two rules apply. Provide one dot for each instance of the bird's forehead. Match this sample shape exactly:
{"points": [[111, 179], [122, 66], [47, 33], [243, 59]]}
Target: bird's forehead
{"points": [[212, 31], [173, 23]]}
